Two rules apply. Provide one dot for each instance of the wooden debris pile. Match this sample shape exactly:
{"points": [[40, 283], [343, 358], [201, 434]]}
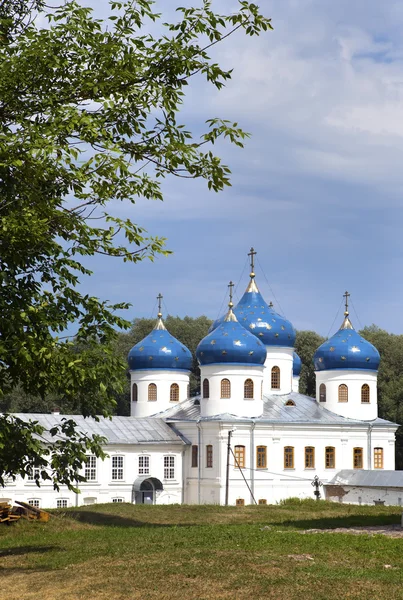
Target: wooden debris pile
{"points": [[10, 514]]}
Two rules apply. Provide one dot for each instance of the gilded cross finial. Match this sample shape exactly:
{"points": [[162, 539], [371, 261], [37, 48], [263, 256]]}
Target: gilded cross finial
{"points": [[346, 297], [159, 298], [231, 286], [252, 255]]}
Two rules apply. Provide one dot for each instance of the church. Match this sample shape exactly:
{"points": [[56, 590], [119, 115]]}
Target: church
{"points": [[250, 436]]}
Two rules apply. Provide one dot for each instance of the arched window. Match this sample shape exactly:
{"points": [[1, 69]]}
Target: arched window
{"points": [[152, 392], [174, 393], [188, 391], [378, 458], [134, 392], [358, 458], [343, 393], [365, 397], [275, 378], [206, 388], [290, 403], [225, 388], [239, 452], [330, 457], [288, 457], [248, 389], [309, 457], [322, 393], [261, 457]]}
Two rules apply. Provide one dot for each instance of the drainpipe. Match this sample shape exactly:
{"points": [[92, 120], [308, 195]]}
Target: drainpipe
{"points": [[252, 462], [183, 476], [198, 460], [369, 447]]}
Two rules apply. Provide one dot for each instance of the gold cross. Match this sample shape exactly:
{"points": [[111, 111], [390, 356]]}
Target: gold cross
{"points": [[346, 296], [230, 285], [252, 255], [159, 298]]}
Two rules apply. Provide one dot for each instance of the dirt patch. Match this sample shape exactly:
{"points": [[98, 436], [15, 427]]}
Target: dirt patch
{"points": [[395, 531]]}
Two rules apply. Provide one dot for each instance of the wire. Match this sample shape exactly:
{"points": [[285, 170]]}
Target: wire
{"points": [[334, 320], [270, 288], [152, 312], [235, 289], [282, 475], [356, 314]]}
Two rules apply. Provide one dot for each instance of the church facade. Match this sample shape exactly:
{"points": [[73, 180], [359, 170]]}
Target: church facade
{"points": [[250, 436]]}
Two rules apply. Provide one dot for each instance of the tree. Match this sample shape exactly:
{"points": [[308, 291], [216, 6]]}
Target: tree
{"points": [[89, 115], [306, 344]]}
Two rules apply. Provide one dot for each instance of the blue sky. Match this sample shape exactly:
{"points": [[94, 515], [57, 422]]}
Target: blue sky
{"points": [[317, 189]]}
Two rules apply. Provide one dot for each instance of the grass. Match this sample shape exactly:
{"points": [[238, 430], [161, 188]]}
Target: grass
{"points": [[127, 552]]}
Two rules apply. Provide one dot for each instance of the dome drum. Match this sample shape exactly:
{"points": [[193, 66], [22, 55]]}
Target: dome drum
{"points": [[163, 380], [283, 359], [348, 401]]}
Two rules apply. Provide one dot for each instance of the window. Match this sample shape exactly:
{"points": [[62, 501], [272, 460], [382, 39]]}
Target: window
{"points": [[343, 393], [169, 467], [358, 458], [174, 393], [330, 457], [365, 397], [322, 393], [261, 457], [290, 403], [34, 474], [262, 501], [90, 471], [239, 452], [144, 465], [248, 389], [134, 392], [88, 501], [61, 503], [225, 388], [275, 378], [206, 388], [117, 500], [117, 468], [288, 457], [34, 502], [188, 390], [240, 502], [309, 457], [152, 392], [195, 456], [209, 456], [378, 458]]}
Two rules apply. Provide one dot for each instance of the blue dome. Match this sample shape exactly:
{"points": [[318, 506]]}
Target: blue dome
{"points": [[259, 318], [296, 365], [160, 350], [346, 349], [230, 343]]}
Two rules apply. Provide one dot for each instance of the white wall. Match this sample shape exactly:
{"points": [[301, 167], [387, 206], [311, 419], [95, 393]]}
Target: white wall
{"points": [[354, 379], [163, 380], [295, 383], [364, 495], [282, 358]]}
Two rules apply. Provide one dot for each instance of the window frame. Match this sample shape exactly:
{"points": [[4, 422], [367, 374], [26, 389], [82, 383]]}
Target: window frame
{"points": [[365, 394], [62, 502], [289, 462], [240, 502], [135, 392], [239, 456], [152, 391], [118, 500], [309, 457], [90, 468], [31, 477], [275, 379], [206, 388], [195, 456], [143, 465], [35, 502], [117, 467], [262, 501], [261, 457], [378, 451], [330, 457], [322, 392], [225, 389], [343, 393], [169, 467], [209, 456], [248, 389], [358, 458], [174, 392]]}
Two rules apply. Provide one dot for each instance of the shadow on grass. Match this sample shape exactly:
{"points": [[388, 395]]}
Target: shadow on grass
{"points": [[18, 550], [341, 521], [104, 519]]}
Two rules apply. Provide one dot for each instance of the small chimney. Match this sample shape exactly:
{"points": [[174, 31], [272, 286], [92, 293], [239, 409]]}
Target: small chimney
{"points": [[55, 410]]}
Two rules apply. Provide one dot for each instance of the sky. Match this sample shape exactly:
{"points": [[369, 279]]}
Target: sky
{"points": [[316, 190]]}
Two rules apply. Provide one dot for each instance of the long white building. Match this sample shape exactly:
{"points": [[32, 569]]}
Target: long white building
{"points": [[250, 436]]}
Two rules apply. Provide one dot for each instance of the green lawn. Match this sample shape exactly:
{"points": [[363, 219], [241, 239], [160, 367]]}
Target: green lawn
{"points": [[125, 552]]}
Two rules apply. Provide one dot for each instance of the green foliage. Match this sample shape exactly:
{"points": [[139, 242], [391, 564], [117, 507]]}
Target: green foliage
{"points": [[88, 120], [306, 344]]}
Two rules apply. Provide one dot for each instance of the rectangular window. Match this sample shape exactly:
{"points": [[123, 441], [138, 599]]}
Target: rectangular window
{"points": [[261, 457], [378, 458], [169, 467], [34, 502], [90, 472], [33, 475], [358, 458], [309, 457], [209, 456], [262, 501], [239, 457], [61, 503], [289, 457], [117, 468], [240, 502], [144, 465], [195, 456], [117, 500], [330, 458]]}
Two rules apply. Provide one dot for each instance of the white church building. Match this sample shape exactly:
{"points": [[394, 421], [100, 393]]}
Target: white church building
{"points": [[250, 437]]}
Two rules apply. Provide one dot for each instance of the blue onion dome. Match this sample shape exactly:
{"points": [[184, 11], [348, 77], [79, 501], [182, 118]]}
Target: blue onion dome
{"points": [[160, 350], [346, 349], [296, 365], [261, 319], [230, 343]]}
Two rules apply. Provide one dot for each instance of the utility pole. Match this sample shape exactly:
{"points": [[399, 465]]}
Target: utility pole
{"points": [[227, 476]]}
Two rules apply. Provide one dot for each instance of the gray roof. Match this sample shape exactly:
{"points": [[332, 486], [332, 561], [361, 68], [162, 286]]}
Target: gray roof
{"points": [[117, 430], [306, 410], [360, 478]]}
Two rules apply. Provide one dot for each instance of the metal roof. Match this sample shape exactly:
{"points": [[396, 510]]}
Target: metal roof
{"points": [[117, 430], [360, 478], [306, 410]]}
